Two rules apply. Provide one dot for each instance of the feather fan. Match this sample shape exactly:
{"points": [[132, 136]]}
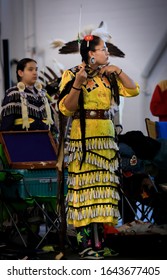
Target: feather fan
{"points": [[70, 47], [101, 31], [114, 50]]}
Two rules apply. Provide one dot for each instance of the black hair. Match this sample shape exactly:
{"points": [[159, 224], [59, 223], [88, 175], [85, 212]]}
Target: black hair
{"points": [[84, 49], [21, 65]]}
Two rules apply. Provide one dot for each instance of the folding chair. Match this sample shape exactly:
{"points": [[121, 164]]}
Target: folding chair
{"points": [[151, 128], [140, 205], [13, 209], [37, 165], [156, 129]]}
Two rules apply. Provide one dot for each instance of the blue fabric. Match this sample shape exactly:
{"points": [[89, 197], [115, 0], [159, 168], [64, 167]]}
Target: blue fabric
{"points": [[161, 128], [29, 146]]}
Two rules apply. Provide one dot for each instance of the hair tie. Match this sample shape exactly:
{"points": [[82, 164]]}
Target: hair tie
{"points": [[88, 38]]}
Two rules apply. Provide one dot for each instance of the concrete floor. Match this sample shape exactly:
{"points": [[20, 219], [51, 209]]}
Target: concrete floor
{"points": [[129, 245], [137, 247]]}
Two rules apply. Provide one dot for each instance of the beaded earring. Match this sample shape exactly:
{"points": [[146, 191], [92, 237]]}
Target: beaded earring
{"points": [[92, 60]]}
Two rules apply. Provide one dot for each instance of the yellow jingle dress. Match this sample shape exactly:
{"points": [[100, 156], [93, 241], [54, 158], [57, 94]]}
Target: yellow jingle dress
{"points": [[93, 190]]}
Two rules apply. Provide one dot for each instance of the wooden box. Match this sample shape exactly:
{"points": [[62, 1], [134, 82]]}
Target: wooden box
{"points": [[29, 149]]}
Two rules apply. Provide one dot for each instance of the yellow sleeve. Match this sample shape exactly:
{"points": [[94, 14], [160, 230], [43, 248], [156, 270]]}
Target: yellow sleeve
{"points": [[63, 109], [66, 77], [128, 92]]}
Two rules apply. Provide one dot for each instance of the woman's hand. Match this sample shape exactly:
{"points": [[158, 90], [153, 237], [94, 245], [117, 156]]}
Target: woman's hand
{"points": [[81, 77], [108, 69], [71, 100], [123, 77]]}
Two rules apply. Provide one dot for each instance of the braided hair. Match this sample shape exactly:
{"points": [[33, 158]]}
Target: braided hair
{"points": [[84, 50]]}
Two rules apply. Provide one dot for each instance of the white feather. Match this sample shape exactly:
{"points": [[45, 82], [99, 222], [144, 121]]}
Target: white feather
{"points": [[102, 32], [57, 43], [86, 31]]}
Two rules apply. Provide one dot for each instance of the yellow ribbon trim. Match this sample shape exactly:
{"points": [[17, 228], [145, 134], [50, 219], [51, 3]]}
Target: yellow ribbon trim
{"points": [[30, 120]]}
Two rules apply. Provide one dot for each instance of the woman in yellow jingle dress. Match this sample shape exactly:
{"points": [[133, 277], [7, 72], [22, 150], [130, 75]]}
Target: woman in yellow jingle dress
{"points": [[87, 93]]}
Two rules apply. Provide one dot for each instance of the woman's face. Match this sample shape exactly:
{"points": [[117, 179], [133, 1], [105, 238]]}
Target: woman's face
{"points": [[100, 54]]}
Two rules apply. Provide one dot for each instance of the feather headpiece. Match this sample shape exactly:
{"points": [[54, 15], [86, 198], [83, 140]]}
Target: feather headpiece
{"points": [[101, 31]]}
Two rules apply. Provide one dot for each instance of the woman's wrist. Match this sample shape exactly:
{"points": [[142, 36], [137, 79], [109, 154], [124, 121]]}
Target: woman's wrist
{"points": [[119, 72], [76, 85], [76, 88]]}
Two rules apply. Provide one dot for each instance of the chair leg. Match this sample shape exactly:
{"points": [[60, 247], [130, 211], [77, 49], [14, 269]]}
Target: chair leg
{"points": [[18, 231], [125, 199]]}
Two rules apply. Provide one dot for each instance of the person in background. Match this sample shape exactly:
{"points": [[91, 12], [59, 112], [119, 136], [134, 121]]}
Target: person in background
{"points": [[87, 93], [25, 106], [158, 104]]}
